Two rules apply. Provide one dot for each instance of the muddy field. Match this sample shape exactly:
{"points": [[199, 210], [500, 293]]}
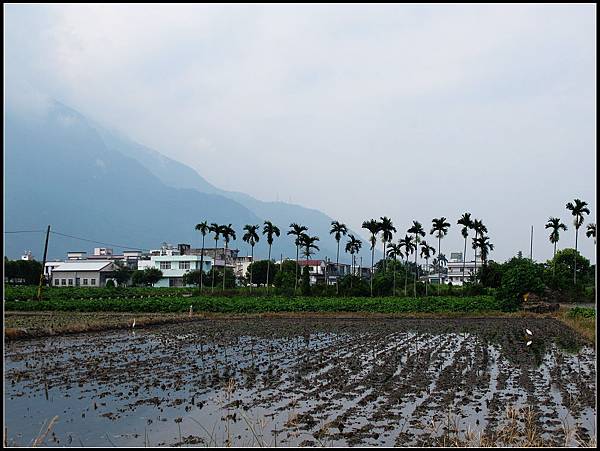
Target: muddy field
{"points": [[283, 382]]}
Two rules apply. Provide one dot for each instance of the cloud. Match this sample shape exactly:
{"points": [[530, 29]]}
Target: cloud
{"points": [[361, 111]]}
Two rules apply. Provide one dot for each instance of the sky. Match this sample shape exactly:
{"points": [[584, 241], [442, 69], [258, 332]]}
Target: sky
{"points": [[408, 111]]}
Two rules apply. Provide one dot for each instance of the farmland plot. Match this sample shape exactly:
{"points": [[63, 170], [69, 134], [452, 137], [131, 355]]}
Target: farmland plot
{"points": [[285, 382]]}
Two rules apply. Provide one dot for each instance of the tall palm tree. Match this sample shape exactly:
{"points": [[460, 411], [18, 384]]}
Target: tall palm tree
{"points": [[386, 228], [374, 227], [480, 229], [270, 230], [308, 244], [440, 229], [556, 226], [216, 229], [394, 251], [484, 246], [578, 209], [251, 237], [353, 247], [203, 228], [426, 252], [339, 230], [228, 233], [409, 248], [417, 229], [467, 223], [591, 231], [297, 230]]}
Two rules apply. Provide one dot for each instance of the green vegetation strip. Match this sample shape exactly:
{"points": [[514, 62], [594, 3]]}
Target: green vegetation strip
{"points": [[581, 312], [261, 305]]}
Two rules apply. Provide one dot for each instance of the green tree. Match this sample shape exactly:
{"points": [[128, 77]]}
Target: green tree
{"points": [[353, 247], [121, 274], [563, 264], [203, 228], [467, 223], [261, 271], [297, 230], [386, 227], [578, 209], [439, 229], [251, 237], [216, 229], [556, 226], [417, 229], [394, 251], [519, 276], [338, 230], [373, 227], [409, 247], [591, 231], [483, 244], [480, 229], [270, 230], [228, 234], [426, 252], [152, 275]]}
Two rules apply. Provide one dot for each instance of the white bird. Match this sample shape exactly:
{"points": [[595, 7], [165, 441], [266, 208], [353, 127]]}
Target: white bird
{"points": [[133, 325], [528, 332], [529, 342]]}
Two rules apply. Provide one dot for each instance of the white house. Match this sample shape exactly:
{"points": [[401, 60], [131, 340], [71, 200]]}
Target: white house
{"points": [[455, 269], [174, 267], [84, 273]]}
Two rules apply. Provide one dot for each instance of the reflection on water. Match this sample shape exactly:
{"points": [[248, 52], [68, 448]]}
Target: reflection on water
{"points": [[296, 381]]}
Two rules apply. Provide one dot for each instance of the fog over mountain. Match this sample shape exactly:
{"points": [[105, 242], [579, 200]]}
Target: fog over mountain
{"points": [[408, 111]]}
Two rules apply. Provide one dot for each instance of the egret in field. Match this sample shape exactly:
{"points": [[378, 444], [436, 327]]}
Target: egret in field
{"points": [[528, 337]]}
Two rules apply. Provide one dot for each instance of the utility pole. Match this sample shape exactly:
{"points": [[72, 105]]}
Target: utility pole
{"points": [[39, 293], [531, 245]]}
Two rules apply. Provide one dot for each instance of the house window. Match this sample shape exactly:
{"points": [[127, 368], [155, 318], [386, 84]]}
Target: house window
{"points": [[85, 281], [92, 281], [63, 281], [56, 281], [165, 265], [71, 282], [184, 265]]}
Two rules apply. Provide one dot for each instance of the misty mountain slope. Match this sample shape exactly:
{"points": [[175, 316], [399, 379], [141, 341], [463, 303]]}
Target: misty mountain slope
{"points": [[58, 171], [61, 169], [179, 175]]}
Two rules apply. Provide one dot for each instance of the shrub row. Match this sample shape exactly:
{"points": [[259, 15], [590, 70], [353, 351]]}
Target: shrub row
{"points": [[249, 304]]}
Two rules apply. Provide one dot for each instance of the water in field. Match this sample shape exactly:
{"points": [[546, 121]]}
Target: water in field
{"points": [[300, 381]]}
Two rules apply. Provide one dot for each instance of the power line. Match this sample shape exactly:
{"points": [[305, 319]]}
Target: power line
{"points": [[99, 242], [26, 231]]}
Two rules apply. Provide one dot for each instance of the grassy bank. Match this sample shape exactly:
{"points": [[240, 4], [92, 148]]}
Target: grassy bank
{"points": [[248, 304], [583, 320]]}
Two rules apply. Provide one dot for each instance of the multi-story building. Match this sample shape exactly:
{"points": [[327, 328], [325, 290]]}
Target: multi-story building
{"points": [[174, 267], [455, 269]]}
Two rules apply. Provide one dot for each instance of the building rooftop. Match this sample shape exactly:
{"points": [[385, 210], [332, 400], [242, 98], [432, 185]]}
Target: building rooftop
{"points": [[83, 265]]}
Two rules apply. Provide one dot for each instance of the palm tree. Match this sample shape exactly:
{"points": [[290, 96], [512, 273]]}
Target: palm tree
{"points": [[374, 227], [269, 229], [417, 229], [297, 230], [480, 229], [556, 226], [440, 229], [467, 224], [386, 227], [338, 229], [591, 231], [426, 252], [409, 248], [216, 229], [578, 209], [308, 244], [203, 228], [251, 237], [484, 245], [394, 251], [353, 247], [228, 233]]}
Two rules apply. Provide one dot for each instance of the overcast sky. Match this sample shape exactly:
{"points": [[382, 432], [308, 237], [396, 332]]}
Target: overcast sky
{"points": [[408, 111]]}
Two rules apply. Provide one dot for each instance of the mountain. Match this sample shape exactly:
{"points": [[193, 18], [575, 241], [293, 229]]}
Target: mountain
{"points": [[91, 182]]}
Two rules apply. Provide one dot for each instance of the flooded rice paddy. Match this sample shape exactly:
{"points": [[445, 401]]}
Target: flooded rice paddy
{"points": [[298, 381]]}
